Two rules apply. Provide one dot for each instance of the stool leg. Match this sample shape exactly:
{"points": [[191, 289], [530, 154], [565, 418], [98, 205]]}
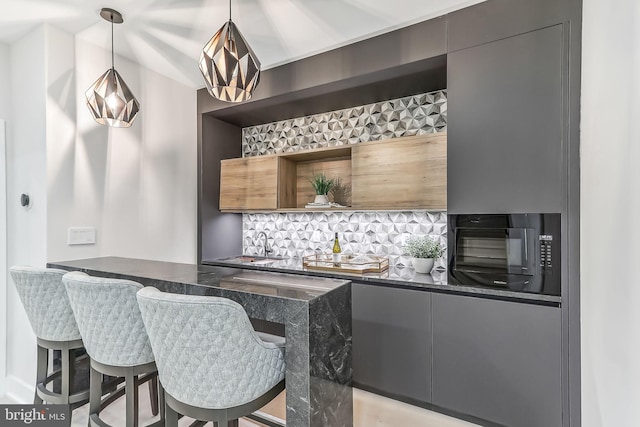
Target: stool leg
{"points": [[72, 370], [131, 394], [41, 372], [171, 416], [95, 392], [153, 395], [64, 378], [223, 421], [161, 399]]}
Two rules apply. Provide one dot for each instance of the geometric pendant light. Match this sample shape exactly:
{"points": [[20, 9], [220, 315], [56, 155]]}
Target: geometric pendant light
{"points": [[109, 99], [230, 68]]}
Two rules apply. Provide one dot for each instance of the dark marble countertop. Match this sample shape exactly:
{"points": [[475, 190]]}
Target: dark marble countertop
{"points": [[236, 278], [315, 312], [405, 278]]}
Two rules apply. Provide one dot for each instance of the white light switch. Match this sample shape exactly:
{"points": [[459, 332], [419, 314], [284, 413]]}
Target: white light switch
{"points": [[81, 236]]}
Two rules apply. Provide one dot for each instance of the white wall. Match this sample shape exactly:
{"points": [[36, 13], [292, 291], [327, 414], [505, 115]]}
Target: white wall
{"points": [[26, 173], [5, 86], [610, 230], [3, 258], [5, 107], [137, 186]]}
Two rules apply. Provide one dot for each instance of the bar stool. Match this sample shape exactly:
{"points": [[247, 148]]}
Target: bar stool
{"points": [[212, 364], [47, 306], [113, 333]]}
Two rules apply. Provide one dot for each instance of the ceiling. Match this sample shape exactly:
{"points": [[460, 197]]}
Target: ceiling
{"points": [[167, 35]]}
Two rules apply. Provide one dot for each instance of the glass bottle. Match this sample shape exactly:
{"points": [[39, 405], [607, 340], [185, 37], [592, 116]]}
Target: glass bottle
{"points": [[336, 252]]}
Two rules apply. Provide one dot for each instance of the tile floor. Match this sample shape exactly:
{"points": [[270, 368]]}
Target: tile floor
{"points": [[370, 410]]}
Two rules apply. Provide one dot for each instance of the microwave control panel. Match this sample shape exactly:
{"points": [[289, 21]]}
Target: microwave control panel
{"points": [[546, 261]]}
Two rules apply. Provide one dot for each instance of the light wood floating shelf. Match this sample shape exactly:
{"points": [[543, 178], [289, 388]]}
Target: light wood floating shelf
{"points": [[407, 173]]}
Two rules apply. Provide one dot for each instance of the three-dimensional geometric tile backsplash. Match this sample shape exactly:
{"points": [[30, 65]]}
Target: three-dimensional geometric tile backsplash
{"points": [[411, 115], [380, 233], [294, 235]]}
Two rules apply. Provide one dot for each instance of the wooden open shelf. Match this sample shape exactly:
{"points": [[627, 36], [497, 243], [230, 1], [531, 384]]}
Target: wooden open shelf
{"points": [[391, 174]]}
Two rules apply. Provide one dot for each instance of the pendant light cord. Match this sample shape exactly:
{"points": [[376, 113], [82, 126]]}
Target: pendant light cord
{"points": [[113, 67], [229, 10]]}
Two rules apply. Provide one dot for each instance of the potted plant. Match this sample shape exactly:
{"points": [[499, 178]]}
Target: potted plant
{"points": [[322, 185], [424, 250]]}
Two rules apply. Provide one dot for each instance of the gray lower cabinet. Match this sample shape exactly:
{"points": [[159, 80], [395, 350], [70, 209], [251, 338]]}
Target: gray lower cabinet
{"points": [[392, 341], [497, 360]]}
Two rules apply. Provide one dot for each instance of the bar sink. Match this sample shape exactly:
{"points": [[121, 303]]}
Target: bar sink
{"points": [[253, 259]]}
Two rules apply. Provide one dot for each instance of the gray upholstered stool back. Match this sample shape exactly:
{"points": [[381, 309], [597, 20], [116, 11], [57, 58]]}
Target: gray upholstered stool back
{"points": [[206, 350], [45, 300], [109, 319]]}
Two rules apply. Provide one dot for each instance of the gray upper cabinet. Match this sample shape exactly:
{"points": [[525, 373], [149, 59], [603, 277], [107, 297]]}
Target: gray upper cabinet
{"points": [[498, 19], [392, 341], [505, 130], [497, 360]]}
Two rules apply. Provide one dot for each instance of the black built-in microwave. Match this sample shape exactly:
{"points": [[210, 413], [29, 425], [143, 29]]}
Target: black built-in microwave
{"points": [[519, 252]]}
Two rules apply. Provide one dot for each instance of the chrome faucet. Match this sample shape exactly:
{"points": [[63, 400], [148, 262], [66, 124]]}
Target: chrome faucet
{"points": [[266, 248]]}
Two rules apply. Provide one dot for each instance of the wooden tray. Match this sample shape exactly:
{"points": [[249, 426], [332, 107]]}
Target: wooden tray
{"points": [[348, 263]]}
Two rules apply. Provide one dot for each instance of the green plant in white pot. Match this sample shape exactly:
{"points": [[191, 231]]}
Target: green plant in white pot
{"points": [[322, 185], [424, 250]]}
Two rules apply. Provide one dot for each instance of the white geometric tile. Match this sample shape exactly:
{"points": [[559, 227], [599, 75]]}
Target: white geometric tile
{"points": [[411, 115], [294, 235], [381, 233]]}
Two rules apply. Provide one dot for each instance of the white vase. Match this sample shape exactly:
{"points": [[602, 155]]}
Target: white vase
{"points": [[422, 265], [321, 199]]}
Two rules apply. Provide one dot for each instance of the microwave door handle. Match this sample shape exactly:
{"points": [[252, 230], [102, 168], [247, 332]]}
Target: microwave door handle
{"points": [[530, 240]]}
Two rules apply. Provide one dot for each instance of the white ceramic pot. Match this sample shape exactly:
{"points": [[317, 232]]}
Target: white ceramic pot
{"points": [[422, 265], [321, 199]]}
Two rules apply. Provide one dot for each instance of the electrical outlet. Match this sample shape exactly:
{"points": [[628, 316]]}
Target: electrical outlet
{"points": [[81, 236]]}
